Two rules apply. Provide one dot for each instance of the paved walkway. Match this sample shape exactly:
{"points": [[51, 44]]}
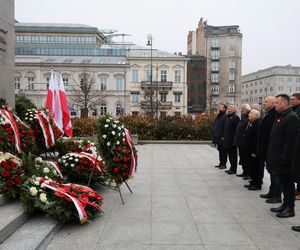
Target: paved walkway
{"points": [[181, 201]]}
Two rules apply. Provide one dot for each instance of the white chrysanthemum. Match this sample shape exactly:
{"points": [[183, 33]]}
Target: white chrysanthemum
{"points": [[37, 183], [104, 136], [54, 172], [108, 143], [123, 134], [33, 191], [117, 121], [105, 126], [114, 125], [72, 165], [117, 142], [43, 197], [46, 170], [67, 164], [107, 120], [119, 128], [119, 134], [122, 126], [71, 158], [30, 119], [76, 160], [43, 185], [64, 161], [47, 178], [26, 118], [113, 132], [123, 139]]}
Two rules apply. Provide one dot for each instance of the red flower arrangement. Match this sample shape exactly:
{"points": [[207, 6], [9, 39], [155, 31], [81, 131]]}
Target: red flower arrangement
{"points": [[62, 201], [79, 167], [116, 149], [11, 174]]}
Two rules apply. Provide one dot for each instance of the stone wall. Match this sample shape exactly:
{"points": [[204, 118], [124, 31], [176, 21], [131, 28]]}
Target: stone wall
{"points": [[7, 51]]}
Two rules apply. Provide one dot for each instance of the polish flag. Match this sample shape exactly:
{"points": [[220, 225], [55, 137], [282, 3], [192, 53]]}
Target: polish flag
{"points": [[66, 117], [51, 94], [57, 111]]}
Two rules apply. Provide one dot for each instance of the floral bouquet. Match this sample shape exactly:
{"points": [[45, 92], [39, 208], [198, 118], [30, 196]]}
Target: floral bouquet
{"points": [[26, 136], [83, 166], [66, 202], [11, 174], [40, 124], [47, 169], [65, 145], [117, 149]]}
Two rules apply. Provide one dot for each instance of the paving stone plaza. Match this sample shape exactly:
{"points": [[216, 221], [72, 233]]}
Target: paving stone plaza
{"points": [[180, 201]]}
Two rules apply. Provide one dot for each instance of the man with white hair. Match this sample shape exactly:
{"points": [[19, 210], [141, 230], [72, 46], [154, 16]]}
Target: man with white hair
{"points": [[256, 106], [238, 137], [249, 146], [231, 123]]}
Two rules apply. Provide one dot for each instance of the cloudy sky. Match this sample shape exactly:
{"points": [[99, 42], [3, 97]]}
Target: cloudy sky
{"points": [[271, 28]]}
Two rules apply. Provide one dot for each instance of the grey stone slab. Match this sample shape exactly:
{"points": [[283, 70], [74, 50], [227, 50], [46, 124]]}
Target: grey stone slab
{"points": [[198, 201], [124, 233], [223, 234], [177, 247], [266, 235], [12, 217], [169, 201], [166, 214], [213, 215], [231, 247], [123, 247], [125, 214], [175, 233], [72, 246], [36, 233]]}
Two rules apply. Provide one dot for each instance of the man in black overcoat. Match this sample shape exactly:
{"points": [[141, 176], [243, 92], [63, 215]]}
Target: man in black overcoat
{"points": [[231, 123], [218, 131], [275, 190], [249, 146], [238, 136], [282, 151]]}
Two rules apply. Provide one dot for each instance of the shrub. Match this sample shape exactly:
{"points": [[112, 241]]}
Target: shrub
{"points": [[84, 127]]}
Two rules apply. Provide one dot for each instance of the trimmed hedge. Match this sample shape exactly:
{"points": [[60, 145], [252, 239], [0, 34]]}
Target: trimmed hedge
{"points": [[148, 128]]}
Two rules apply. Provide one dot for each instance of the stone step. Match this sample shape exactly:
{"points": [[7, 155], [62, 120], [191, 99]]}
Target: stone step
{"points": [[36, 233], [3, 200], [12, 216]]}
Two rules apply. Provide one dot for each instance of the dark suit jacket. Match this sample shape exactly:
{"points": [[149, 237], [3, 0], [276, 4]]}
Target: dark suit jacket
{"points": [[283, 142], [231, 122], [218, 128]]}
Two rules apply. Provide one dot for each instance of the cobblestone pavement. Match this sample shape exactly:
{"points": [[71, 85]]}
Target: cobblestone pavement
{"points": [[180, 201]]}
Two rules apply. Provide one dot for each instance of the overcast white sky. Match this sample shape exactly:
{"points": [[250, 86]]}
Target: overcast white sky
{"points": [[271, 28]]}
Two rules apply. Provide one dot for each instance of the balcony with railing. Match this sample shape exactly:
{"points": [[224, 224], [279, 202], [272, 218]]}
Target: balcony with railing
{"points": [[146, 85], [160, 104]]}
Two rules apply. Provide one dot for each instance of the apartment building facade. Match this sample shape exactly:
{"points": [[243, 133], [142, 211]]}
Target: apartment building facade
{"points": [[222, 48], [119, 72], [270, 81]]}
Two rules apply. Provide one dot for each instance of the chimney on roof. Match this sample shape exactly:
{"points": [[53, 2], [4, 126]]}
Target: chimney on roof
{"points": [[180, 53]]}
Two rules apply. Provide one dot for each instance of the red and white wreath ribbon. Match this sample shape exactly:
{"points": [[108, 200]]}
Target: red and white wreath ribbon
{"points": [[133, 163], [56, 167], [9, 118], [88, 156], [46, 128]]}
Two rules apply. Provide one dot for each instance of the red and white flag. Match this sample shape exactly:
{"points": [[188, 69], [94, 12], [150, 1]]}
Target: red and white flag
{"points": [[66, 117], [57, 112], [51, 94]]}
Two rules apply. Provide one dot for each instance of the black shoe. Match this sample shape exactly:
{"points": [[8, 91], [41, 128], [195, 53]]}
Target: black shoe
{"points": [[231, 172], [247, 185], [246, 177], [222, 167], [287, 212], [217, 166], [296, 228], [254, 188], [274, 200], [278, 209], [241, 175], [266, 196]]}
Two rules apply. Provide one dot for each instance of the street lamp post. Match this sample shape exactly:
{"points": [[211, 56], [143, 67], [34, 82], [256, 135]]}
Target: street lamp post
{"points": [[149, 38]]}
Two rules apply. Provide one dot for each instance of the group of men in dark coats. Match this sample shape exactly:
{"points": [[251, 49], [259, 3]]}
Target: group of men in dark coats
{"points": [[272, 142]]}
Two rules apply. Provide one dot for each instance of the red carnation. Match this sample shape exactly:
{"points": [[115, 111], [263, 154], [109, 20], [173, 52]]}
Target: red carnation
{"points": [[117, 159], [124, 143], [5, 173], [12, 163], [18, 180], [119, 149], [6, 166], [126, 151], [116, 170], [9, 183], [5, 190], [125, 166], [124, 174], [125, 159], [20, 171]]}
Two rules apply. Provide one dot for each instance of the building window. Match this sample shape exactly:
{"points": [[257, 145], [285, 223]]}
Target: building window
{"points": [[260, 90], [232, 53], [103, 83], [119, 110], [163, 75], [280, 79], [232, 65], [30, 83], [163, 97], [66, 82], [177, 97], [17, 82], [231, 88], [47, 82], [103, 109], [232, 42], [148, 75], [215, 54], [298, 79], [215, 66], [215, 43], [163, 114], [215, 89], [215, 78], [120, 84], [289, 79], [177, 75], [135, 97], [232, 76], [280, 88], [135, 75]]}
